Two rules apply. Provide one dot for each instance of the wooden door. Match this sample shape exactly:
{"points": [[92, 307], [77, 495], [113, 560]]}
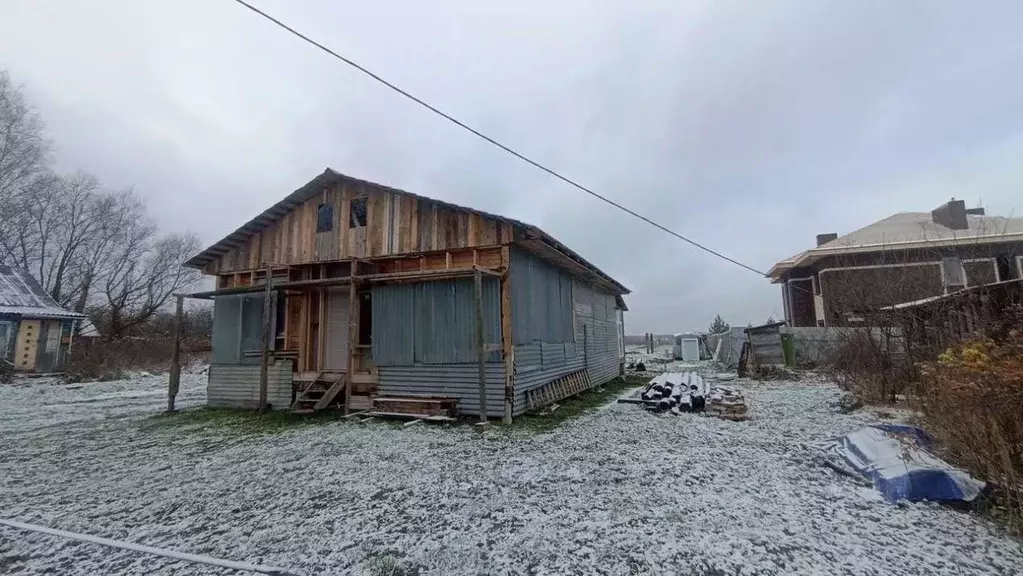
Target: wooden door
{"points": [[27, 347], [336, 353]]}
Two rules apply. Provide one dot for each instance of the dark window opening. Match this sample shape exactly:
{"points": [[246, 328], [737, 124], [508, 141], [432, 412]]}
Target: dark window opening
{"points": [[1006, 271], [325, 218], [817, 284], [365, 320], [282, 312], [358, 213]]}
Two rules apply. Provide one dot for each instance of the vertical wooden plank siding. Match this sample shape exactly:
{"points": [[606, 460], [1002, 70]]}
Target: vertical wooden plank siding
{"points": [[395, 224]]}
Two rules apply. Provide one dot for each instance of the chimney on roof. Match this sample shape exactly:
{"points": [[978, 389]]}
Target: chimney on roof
{"points": [[975, 211], [825, 238], [951, 215]]}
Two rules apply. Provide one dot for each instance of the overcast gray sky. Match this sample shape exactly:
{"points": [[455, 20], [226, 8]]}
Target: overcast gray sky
{"points": [[748, 126]]}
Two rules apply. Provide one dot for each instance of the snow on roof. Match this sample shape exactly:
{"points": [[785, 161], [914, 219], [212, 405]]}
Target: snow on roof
{"points": [[919, 226], [21, 295], [908, 230]]}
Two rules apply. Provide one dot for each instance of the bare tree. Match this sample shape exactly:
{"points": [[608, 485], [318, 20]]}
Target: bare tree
{"points": [[119, 220], [24, 150], [56, 221], [143, 275]]}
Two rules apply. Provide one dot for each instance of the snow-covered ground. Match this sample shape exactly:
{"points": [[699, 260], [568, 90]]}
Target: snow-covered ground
{"points": [[618, 492]]}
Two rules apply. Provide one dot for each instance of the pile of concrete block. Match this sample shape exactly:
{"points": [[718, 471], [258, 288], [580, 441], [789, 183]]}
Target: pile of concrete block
{"points": [[727, 404]]}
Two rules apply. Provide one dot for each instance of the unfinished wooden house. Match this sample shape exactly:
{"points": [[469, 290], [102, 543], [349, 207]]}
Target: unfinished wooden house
{"points": [[387, 301]]}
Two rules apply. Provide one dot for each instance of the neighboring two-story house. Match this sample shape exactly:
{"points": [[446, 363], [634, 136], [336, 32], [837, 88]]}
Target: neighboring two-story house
{"points": [[903, 258]]}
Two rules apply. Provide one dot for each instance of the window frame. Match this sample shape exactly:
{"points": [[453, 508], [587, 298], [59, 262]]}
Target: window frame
{"points": [[353, 220], [324, 218]]}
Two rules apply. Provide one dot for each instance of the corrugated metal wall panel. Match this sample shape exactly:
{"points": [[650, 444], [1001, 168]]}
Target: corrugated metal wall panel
{"points": [[252, 326], [588, 314], [530, 380], [238, 326], [440, 319], [393, 335], [448, 380], [237, 386], [541, 296], [528, 357], [227, 318], [553, 355], [594, 312]]}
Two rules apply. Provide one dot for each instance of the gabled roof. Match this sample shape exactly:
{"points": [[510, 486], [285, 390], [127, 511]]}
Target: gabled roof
{"points": [[20, 294], [907, 230], [329, 177]]}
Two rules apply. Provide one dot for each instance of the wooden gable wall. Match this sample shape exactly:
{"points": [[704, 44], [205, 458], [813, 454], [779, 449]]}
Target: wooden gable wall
{"points": [[395, 224]]}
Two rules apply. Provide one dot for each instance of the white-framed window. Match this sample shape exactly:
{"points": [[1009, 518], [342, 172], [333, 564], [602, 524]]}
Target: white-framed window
{"points": [[953, 275]]}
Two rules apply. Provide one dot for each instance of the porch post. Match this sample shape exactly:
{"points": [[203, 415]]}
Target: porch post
{"points": [[264, 347], [174, 381], [353, 334], [507, 343], [481, 352]]}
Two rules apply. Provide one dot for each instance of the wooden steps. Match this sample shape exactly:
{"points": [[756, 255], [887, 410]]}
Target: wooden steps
{"points": [[320, 392], [568, 385]]}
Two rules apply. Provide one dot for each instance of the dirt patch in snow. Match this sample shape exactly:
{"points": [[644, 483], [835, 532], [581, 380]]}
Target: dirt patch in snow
{"points": [[594, 496]]}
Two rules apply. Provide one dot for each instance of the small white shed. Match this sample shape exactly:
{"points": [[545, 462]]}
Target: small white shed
{"points": [[687, 347]]}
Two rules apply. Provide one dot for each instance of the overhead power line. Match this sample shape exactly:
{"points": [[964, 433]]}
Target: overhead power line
{"points": [[483, 136]]}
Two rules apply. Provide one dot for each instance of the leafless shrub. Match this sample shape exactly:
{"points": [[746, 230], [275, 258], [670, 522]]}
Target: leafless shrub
{"points": [[146, 346], [867, 364]]}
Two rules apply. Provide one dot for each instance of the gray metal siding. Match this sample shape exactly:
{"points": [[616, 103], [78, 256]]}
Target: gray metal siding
{"points": [[227, 318], [238, 327], [448, 380], [438, 317], [550, 367], [595, 320], [393, 336], [541, 297], [237, 386], [592, 320]]}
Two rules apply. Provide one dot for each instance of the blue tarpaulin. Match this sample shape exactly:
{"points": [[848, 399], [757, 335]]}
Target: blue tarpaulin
{"points": [[895, 458]]}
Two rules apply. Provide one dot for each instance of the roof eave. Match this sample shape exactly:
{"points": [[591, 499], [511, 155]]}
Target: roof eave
{"points": [[814, 254], [272, 214]]}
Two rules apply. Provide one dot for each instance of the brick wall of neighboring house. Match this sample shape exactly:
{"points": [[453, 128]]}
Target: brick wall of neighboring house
{"points": [[802, 313], [980, 272], [854, 282], [854, 290], [966, 252]]}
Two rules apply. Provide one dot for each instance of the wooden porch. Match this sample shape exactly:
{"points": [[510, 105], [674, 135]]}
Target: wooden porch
{"points": [[319, 317]]}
